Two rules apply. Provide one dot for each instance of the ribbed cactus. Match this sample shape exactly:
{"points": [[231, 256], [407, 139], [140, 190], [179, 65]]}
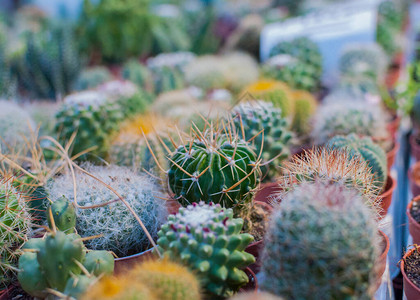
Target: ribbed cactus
{"points": [[167, 280], [214, 167], [305, 107], [322, 244], [167, 79], [250, 119], [138, 73], [272, 91], [92, 77], [14, 225], [64, 215], [207, 239], [99, 262], [371, 153]]}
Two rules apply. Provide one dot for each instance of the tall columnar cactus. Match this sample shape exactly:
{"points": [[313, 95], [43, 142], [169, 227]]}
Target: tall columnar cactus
{"points": [[119, 229], [14, 225], [138, 73], [250, 119], [91, 77], [214, 167], [371, 153], [322, 244], [272, 91], [207, 239], [305, 107]]}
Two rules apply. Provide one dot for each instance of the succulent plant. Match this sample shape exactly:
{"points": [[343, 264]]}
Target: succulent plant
{"points": [[371, 153], [138, 73], [331, 166], [214, 167], [250, 119], [91, 77], [120, 230], [14, 130], [8, 82], [167, 79], [14, 226], [305, 106], [207, 239], [347, 117], [241, 69], [322, 244], [64, 215], [271, 91], [390, 17]]}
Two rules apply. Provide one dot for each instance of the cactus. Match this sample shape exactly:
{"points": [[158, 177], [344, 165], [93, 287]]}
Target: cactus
{"points": [[207, 72], [167, 280], [331, 165], [134, 71], [77, 285], [272, 91], [348, 117], [255, 296], [371, 153], [305, 107], [64, 215], [390, 18], [250, 118], [214, 167], [167, 79], [14, 130], [14, 225], [293, 6], [120, 231], [322, 244], [99, 262], [241, 69], [207, 239], [91, 77]]}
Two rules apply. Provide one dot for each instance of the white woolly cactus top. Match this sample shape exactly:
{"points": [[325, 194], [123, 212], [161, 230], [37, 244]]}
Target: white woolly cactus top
{"points": [[85, 98], [172, 60], [116, 89], [280, 60], [15, 125], [121, 232]]}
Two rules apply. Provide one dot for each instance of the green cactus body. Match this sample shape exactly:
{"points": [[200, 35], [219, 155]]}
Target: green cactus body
{"points": [[217, 169], [14, 224], [254, 117], [168, 79], [30, 276], [135, 104], [77, 285], [305, 107], [92, 77], [207, 239], [371, 153], [99, 262], [64, 215], [57, 258], [134, 71], [322, 244]]}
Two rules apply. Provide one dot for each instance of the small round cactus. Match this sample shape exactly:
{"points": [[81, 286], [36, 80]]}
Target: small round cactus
{"points": [[250, 119], [214, 167], [305, 107], [64, 215], [322, 244], [92, 77], [138, 73], [207, 239], [371, 153]]}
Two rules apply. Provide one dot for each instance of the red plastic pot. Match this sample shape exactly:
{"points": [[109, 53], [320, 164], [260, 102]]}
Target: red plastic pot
{"points": [[172, 206], [414, 186], [267, 191], [393, 126], [381, 262], [413, 225], [411, 291], [252, 285], [386, 196], [124, 263], [415, 147], [390, 156]]}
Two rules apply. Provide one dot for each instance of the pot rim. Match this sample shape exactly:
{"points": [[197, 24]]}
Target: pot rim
{"points": [[410, 217], [133, 256], [410, 171], [412, 285], [385, 252], [391, 189], [393, 150]]}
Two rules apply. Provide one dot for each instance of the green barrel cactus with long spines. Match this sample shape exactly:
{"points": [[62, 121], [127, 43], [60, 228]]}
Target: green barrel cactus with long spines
{"points": [[257, 116], [322, 243], [138, 73], [64, 215], [207, 239], [371, 153], [214, 167], [14, 225], [91, 77]]}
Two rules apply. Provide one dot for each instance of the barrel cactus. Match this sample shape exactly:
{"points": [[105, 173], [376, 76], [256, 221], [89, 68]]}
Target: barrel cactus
{"points": [[138, 73], [322, 244], [214, 167], [207, 72], [120, 231], [272, 91], [305, 107], [207, 239], [250, 119], [14, 226], [371, 153], [91, 77]]}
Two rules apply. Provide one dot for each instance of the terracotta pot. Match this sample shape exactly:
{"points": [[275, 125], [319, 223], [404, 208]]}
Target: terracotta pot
{"points": [[413, 225], [390, 156], [381, 261], [393, 126], [256, 248], [124, 263], [252, 285], [415, 147], [413, 173], [411, 291], [266, 191], [386, 196]]}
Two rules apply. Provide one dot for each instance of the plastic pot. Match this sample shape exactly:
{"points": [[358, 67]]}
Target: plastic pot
{"points": [[267, 191], [381, 261], [411, 291], [393, 126], [390, 156], [172, 206], [415, 147], [413, 225], [252, 285], [413, 173], [386, 196], [122, 264]]}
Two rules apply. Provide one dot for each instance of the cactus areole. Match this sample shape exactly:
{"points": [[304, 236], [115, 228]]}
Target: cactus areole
{"points": [[217, 169]]}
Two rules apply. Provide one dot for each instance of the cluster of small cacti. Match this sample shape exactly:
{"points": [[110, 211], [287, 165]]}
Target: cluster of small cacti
{"points": [[322, 244], [119, 229], [91, 77], [207, 239]]}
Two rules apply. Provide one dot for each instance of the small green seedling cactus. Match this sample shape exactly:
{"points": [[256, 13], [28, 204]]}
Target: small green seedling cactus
{"points": [[64, 215], [207, 239], [262, 124], [371, 153], [322, 244]]}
